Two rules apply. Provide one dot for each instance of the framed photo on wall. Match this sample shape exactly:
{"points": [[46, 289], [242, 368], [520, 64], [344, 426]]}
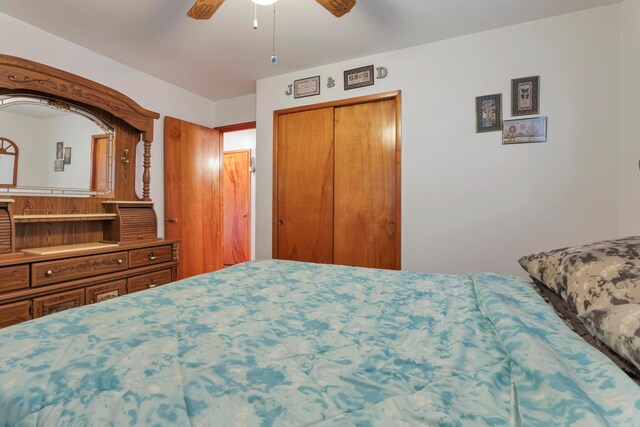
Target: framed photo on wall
{"points": [[58, 165], [358, 77], [306, 87], [67, 155], [525, 96], [489, 113], [59, 150], [523, 131]]}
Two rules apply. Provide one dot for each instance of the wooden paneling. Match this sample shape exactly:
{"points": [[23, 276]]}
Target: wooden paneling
{"points": [[6, 234], [105, 291], [148, 281], [365, 221], [44, 273], [56, 303], [14, 278], [99, 163], [193, 194], [12, 314], [149, 256], [137, 223], [303, 220], [237, 207]]}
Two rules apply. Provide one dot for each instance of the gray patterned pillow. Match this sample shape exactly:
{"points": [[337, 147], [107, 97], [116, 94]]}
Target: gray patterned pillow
{"points": [[592, 276], [618, 327]]}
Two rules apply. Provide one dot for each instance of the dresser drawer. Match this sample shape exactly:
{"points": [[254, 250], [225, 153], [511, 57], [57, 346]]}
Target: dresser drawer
{"points": [[45, 273], [57, 302], [13, 278], [12, 314], [149, 256], [106, 291], [149, 280]]}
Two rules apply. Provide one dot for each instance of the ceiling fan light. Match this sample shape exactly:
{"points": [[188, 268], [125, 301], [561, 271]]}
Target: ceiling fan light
{"points": [[264, 2]]}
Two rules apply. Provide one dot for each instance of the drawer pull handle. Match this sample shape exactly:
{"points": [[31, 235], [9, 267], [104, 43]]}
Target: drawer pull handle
{"points": [[152, 256], [120, 261], [49, 273], [152, 283]]}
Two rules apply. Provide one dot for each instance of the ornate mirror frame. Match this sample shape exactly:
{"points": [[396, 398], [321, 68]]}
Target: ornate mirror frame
{"points": [[130, 120]]}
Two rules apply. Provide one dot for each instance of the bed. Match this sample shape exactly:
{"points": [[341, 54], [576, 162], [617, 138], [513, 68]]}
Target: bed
{"points": [[285, 343]]}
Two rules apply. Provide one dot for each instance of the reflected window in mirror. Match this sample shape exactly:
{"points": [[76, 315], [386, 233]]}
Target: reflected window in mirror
{"points": [[8, 162], [64, 149]]}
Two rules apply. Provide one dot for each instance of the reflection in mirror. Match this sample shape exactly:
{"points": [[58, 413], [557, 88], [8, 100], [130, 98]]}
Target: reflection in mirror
{"points": [[8, 162], [64, 149]]}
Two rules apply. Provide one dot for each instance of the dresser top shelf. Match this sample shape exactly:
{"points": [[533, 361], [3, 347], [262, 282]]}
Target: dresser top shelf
{"points": [[64, 217], [65, 249]]}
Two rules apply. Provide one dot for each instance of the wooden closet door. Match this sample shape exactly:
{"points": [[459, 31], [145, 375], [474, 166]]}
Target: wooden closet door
{"points": [[366, 220], [304, 175], [193, 195]]}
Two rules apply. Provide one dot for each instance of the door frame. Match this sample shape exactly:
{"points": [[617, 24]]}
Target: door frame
{"points": [[235, 128], [393, 95]]}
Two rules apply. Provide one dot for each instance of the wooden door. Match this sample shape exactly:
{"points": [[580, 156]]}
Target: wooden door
{"points": [[99, 162], [193, 194], [303, 216], [237, 206], [366, 213]]}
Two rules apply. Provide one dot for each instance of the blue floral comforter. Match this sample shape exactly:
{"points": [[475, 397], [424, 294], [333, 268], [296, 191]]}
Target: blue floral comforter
{"points": [[283, 343]]}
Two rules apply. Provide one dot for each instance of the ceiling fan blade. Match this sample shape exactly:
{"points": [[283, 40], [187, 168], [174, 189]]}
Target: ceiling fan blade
{"points": [[338, 7], [204, 9]]}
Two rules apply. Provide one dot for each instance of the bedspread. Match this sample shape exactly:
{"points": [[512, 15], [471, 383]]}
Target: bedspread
{"points": [[285, 343]]}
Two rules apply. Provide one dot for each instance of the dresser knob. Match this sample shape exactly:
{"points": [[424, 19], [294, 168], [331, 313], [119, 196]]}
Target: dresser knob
{"points": [[120, 261], [152, 256], [49, 273], [152, 283]]}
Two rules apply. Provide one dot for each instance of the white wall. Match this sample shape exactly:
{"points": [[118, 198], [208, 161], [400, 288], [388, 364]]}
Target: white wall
{"points": [[20, 39], [235, 110], [469, 203], [22, 132], [245, 140], [630, 212]]}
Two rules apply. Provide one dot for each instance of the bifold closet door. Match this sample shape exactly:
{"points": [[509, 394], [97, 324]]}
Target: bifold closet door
{"points": [[366, 226], [304, 216]]}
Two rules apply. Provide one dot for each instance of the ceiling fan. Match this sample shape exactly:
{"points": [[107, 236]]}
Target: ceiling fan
{"points": [[204, 9]]}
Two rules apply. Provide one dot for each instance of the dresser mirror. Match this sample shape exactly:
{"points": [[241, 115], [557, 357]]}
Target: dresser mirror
{"points": [[52, 148]]}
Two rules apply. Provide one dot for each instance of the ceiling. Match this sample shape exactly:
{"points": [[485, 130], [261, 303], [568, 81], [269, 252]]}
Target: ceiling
{"points": [[223, 57]]}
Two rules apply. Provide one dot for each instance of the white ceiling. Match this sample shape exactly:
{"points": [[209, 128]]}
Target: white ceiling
{"points": [[223, 57]]}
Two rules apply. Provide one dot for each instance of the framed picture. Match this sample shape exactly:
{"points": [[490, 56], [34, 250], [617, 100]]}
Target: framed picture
{"points": [[489, 113], [358, 77], [522, 131], [525, 96], [306, 87], [67, 155], [59, 152], [58, 165]]}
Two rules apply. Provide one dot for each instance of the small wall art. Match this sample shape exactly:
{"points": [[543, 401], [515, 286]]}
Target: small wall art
{"points": [[58, 165], [59, 150], [525, 96], [306, 87], [67, 155], [522, 131], [358, 77], [489, 113]]}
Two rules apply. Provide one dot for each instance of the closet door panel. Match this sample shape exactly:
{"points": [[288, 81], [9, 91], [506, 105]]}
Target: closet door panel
{"points": [[365, 222], [304, 206]]}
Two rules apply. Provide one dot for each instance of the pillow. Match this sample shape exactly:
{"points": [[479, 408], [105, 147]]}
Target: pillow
{"points": [[593, 276], [618, 327]]}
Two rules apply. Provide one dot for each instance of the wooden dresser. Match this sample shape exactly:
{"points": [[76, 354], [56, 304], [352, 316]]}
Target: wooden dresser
{"points": [[34, 285], [95, 238]]}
